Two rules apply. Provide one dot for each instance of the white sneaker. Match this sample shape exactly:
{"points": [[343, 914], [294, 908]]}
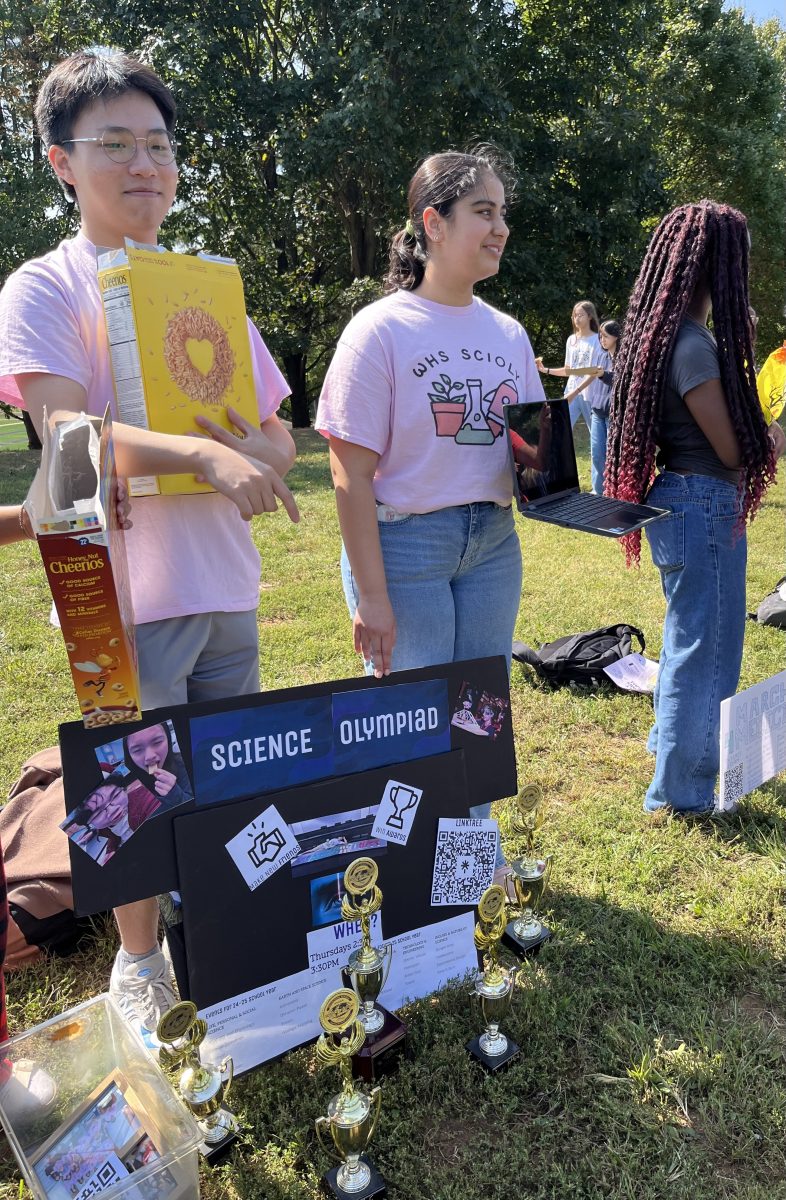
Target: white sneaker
{"points": [[143, 992]]}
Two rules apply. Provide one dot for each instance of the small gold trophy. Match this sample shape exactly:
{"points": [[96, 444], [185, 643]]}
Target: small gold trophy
{"points": [[367, 972], [529, 876], [494, 985], [202, 1086], [352, 1113]]}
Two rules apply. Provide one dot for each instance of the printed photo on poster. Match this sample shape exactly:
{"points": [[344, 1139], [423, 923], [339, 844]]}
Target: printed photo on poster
{"points": [[336, 836], [327, 892], [479, 712], [143, 776]]}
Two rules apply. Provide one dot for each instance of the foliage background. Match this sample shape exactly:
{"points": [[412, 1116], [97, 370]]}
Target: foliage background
{"points": [[301, 124]]}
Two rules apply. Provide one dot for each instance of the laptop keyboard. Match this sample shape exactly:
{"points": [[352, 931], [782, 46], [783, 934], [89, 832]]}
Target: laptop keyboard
{"points": [[580, 509]]}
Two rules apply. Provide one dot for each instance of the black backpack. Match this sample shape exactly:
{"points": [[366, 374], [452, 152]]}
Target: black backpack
{"points": [[772, 610], [580, 658]]}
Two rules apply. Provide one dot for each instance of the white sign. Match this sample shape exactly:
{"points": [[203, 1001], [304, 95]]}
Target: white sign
{"points": [[753, 737], [396, 813], [464, 861], [329, 948], [633, 673], [265, 1022], [262, 847]]}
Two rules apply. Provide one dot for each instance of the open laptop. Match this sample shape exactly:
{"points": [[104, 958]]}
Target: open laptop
{"points": [[546, 477]]}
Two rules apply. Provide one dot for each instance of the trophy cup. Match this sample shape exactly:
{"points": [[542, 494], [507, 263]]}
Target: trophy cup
{"points": [[367, 971], [528, 877], [202, 1086], [494, 985], [352, 1113]]}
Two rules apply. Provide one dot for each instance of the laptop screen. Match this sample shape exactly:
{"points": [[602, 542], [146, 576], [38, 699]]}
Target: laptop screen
{"points": [[540, 441]]}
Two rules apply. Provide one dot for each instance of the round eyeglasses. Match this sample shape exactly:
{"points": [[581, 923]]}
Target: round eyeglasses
{"points": [[121, 145]]}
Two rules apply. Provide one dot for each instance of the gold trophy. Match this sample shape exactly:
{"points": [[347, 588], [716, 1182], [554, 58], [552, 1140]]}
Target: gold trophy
{"points": [[494, 985], [528, 877], [202, 1086], [352, 1113], [367, 972]]}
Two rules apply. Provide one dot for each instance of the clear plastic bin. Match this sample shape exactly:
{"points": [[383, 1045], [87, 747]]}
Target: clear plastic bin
{"points": [[113, 1127]]}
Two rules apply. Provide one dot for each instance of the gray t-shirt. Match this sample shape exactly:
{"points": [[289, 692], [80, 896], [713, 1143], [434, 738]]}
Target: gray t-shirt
{"points": [[682, 445]]}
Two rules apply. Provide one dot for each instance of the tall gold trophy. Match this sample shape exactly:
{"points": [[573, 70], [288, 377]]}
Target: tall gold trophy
{"points": [[494, 985], [528, 877], [202, 1086], [352, 1113], [367, 971]]}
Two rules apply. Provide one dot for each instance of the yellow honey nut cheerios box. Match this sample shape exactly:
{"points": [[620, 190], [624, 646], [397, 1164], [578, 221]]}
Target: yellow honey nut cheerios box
{"points": [[72, 505], [179, 346]]}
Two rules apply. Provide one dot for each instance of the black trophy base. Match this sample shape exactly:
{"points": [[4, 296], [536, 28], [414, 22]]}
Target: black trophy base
{"points": [[492, 1062], [525, 947], [381, 1052], [212, 1155], [375, 1189]]}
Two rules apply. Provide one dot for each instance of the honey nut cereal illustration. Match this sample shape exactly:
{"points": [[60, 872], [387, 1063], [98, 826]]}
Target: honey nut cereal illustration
{"points": [[194, 324]]}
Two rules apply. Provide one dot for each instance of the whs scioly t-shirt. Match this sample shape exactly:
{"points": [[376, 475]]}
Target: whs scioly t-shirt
{"points": [[423, 385]]}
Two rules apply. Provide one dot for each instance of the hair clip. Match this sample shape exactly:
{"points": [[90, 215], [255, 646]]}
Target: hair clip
{"points": [[409, 229]]}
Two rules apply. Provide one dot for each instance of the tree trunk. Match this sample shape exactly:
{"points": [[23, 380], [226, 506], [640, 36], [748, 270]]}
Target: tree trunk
{"points": [[295, 371], [360, 228]]}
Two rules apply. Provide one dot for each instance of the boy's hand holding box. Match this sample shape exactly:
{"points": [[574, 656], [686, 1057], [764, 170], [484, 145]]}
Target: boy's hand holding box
{"points": [[178, 340]]}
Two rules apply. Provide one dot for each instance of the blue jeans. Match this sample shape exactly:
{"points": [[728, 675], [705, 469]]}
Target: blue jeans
{"points": [[580, 407], [701, 554], [598, 433], [454, 581]]}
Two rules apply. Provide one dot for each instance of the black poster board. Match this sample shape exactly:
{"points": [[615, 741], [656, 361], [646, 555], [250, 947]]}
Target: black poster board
{"points": [[250, 938], [253, 746]]}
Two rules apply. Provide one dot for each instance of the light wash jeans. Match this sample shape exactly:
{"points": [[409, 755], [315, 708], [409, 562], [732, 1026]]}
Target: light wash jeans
{"points": [[454, 581], [580, 407], [701, 554], [599, 429]]}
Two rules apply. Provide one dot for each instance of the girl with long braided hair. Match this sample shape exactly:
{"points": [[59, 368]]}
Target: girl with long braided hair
{"points": [[685, 401]]}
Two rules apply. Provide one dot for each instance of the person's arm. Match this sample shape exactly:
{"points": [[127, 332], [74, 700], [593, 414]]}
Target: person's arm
{"points": [[252, 487], [707, 405], [374, 626], [269, 443], [572, 395], [778, 438], [14, 524]]}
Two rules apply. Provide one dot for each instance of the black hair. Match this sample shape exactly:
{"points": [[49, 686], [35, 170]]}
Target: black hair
{"points": [[85, 77], [612, 328], [440, 180]]}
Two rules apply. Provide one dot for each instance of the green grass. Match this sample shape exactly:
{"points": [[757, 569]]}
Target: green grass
{"points": [[653, 1027]]}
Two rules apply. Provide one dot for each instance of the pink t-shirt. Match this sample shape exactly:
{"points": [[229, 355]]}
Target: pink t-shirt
{"points": [[186, 554], [423, 384]]}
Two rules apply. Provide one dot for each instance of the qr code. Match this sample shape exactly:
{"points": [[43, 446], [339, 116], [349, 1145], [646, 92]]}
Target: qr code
{"points": [[732, 784], [463, 865], [105, 1177]]}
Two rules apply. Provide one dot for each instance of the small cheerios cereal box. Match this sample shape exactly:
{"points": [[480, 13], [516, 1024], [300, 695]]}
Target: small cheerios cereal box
{"points": [[72, 505], [179, 346]]}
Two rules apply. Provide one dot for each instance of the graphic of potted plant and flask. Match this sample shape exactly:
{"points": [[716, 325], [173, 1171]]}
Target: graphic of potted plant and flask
{"points": [[461, 411]]}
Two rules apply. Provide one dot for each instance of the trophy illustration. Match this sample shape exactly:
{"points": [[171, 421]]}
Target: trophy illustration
{"points": [[202, 1086], [367, 971], [528, 877], [352, 1113], [494, 985]]}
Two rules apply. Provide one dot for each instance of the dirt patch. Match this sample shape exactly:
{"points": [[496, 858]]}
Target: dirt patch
{"points": [[767, 1015], [451, 1141]]}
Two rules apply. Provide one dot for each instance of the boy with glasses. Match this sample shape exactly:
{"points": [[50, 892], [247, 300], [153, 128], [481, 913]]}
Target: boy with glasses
{"points": [[108, 123]]}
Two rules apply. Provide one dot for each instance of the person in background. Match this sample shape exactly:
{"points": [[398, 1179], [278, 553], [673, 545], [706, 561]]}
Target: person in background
{"points": [[685, 401], [580, 351], [600, 401]]}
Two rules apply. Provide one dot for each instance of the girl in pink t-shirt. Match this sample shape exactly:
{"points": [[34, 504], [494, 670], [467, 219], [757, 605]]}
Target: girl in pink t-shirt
{"points": [[412, 404]]}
